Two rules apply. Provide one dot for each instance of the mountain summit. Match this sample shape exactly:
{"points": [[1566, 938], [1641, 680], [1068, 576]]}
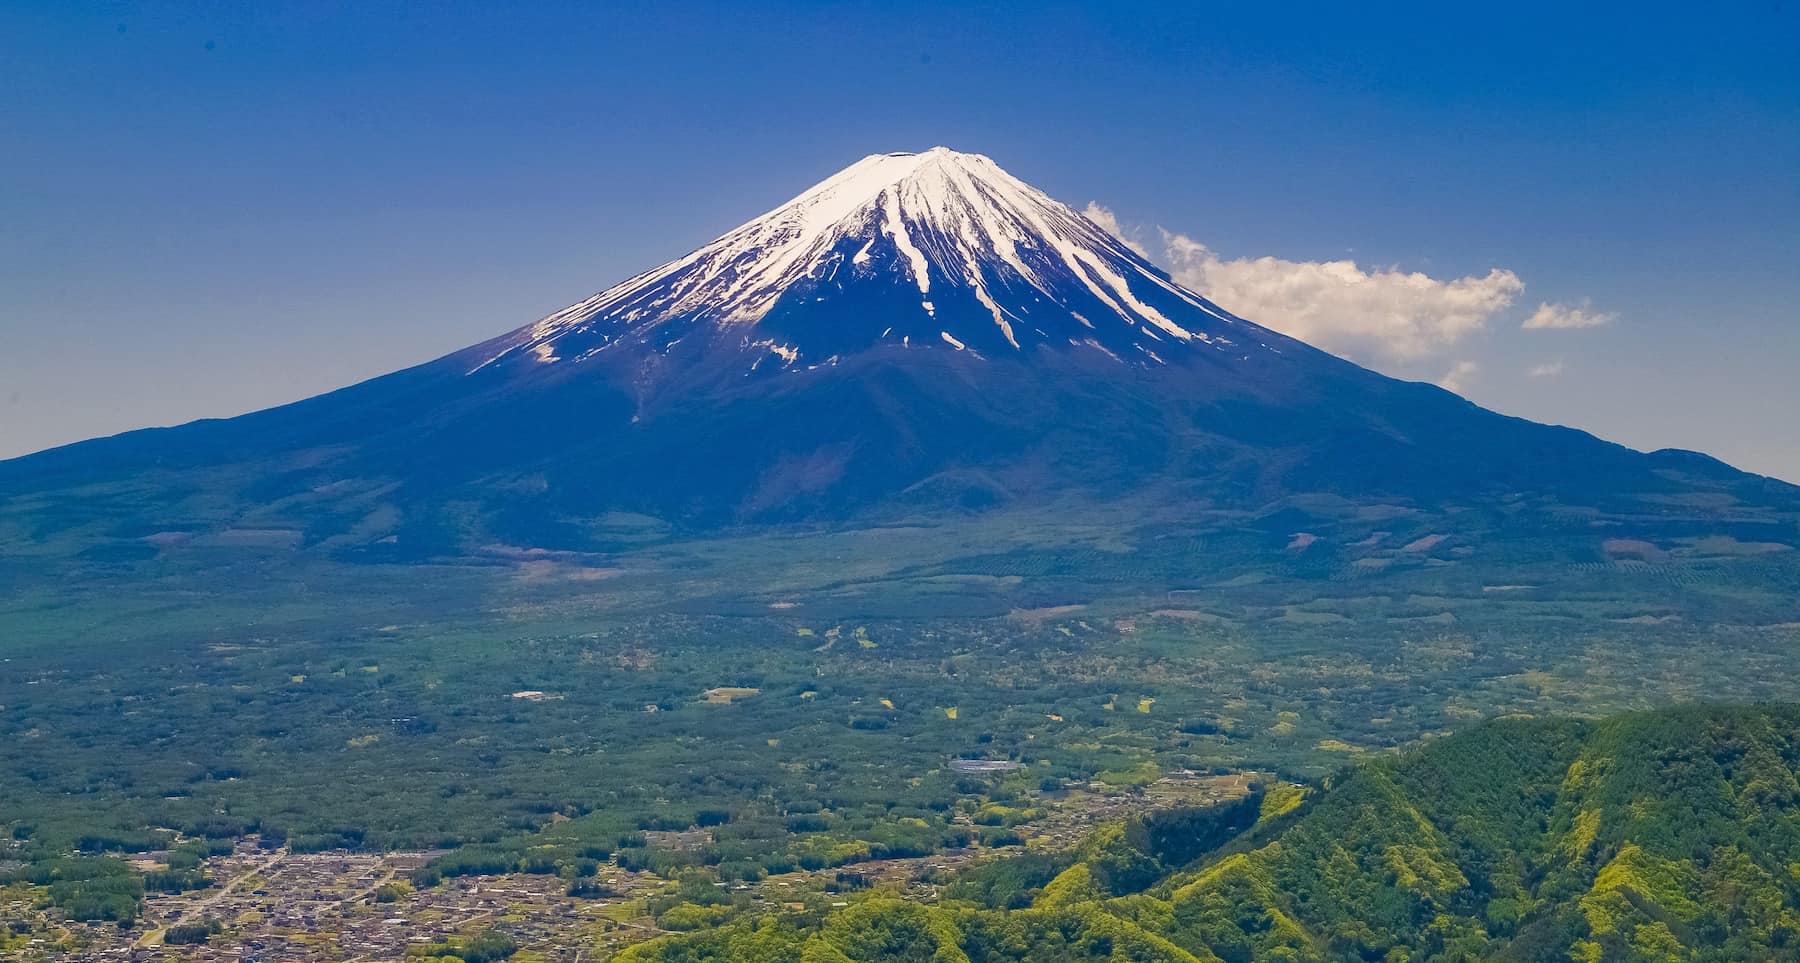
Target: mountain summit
{"points": [[937, 249], [916, 334]]}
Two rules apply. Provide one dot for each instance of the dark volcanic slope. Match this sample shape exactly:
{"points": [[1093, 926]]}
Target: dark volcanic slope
{"points": [[918, 332]]}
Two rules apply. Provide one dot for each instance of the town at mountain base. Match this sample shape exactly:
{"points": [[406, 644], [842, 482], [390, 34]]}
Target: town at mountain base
{"points": [[1655, 836]]}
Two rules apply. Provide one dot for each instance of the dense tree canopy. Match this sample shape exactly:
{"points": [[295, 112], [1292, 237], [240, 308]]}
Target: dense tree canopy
{"points": [[1662, 836]]}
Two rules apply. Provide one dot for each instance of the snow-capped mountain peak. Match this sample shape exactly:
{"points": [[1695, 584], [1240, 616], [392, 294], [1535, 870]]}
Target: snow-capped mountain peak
{"points": [[917, 338], [938, 248]]}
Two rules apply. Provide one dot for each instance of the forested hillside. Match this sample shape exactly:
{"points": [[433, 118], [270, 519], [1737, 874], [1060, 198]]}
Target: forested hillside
{"points": [[1671, 835]]}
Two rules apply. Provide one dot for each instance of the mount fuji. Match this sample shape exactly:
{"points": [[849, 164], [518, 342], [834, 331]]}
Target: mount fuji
{"points": [[917, 334], [930, 249]]}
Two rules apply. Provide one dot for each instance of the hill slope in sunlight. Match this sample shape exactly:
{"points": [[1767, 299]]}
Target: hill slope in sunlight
{"points": [[1671, 835]]}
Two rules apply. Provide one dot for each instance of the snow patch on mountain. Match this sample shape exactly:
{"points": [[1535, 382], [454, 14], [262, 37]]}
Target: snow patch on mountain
{"points": [[975, 242]]}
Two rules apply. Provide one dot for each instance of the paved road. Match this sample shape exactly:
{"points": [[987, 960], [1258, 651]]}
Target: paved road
{"points": [[154, 937]]}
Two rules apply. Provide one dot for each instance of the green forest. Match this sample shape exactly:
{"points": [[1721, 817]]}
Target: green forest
{"points": [[515, 722], [1655, 836]]}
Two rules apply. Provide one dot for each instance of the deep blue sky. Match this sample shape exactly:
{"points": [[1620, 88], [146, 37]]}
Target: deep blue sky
{"points": [[209, 208]]}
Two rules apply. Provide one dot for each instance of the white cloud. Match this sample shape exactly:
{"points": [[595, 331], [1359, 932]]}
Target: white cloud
{"points": [[1376, 315], [1104, 217], [1459, 376], [1380, 314], [1548, 369], [1567, 316]]}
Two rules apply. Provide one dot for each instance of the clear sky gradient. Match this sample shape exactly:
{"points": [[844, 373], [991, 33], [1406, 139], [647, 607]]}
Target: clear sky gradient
{"points": [[211, 208]]}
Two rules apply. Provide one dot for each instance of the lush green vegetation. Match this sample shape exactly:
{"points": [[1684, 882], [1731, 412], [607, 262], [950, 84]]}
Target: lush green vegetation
{"points": [[87, 888], [411, 741], [799, 698], [1645, 837], [488, 946], [188, 934]]}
